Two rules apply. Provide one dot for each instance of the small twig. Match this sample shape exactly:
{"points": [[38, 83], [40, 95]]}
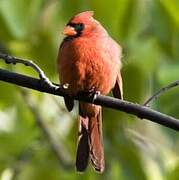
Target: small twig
{"points": [[161, 91], [13, 60]]}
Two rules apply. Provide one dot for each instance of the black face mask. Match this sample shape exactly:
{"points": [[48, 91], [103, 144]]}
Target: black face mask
{"points": [[78, 28]]}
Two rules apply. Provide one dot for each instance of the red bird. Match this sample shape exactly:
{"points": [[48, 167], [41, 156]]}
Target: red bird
{"points": [[89, 60]]}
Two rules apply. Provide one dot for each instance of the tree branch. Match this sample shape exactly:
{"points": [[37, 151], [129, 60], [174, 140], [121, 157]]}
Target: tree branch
{"points": [[125, 106], [14, 60]]}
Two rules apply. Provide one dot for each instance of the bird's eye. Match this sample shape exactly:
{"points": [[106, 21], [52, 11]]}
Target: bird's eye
{"points": [[79, 27]]}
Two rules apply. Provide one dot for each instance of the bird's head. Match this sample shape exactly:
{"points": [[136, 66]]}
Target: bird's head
{"points": [[81, 24]]}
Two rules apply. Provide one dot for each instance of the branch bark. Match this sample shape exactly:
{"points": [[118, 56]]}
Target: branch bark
{"points": [[140, 111]]}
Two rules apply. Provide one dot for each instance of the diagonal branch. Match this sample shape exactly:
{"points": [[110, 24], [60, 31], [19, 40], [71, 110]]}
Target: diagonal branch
{"points": [[140, 111], [57, 147], [161, 91]]}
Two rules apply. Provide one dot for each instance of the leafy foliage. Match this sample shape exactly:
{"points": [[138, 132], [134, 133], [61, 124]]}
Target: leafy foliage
{"points": [[148, 31]]}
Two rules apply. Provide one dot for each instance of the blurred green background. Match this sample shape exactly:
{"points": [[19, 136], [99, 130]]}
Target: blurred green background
{"points": [[148, 31]]}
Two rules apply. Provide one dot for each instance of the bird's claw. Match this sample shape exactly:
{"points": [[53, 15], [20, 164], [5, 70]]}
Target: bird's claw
{"points": [[65, 86], [91, 93], [95, 95]]}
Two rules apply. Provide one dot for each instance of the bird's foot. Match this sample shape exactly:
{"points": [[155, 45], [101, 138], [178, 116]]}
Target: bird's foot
{"points": [[90, 93], [93, 94], [64, 88]]}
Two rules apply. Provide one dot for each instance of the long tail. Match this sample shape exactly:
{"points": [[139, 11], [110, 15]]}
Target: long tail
{"points": [[90, 142], [96, 142], [83, 145]]}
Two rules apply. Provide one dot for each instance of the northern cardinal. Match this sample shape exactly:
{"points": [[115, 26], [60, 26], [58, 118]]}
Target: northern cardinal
{"points": [[89, 60]]}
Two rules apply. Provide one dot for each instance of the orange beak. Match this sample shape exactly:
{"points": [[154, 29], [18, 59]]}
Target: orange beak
{"points": [[69, 31]]}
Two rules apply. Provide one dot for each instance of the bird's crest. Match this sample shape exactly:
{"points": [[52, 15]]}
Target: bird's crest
{"points": [[82, 17]]}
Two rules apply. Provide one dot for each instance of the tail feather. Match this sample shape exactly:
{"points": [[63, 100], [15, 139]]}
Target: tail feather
{"points": [[90, 142], [83, 145], [96, 142]]}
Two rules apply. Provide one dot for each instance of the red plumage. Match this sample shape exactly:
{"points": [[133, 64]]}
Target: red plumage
{"points": [[89, 59]]}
